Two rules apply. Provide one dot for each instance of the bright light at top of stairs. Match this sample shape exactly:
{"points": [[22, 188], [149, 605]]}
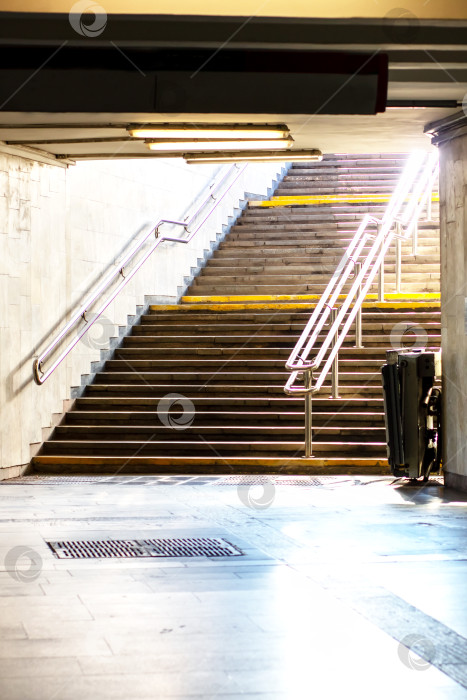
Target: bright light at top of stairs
{"points": [[209, 131], [312, 154], [218, 145]]}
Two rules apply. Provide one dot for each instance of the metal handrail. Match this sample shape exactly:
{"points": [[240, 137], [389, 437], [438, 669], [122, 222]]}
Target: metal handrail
{"points": [[41, 376], [418, 179]]}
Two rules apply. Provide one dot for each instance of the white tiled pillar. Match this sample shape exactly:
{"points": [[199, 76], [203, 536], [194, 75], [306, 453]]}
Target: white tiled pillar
{"points": [[450, 135]]}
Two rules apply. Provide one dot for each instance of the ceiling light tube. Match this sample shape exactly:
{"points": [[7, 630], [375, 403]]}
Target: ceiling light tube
{"points": [[207, 145], [312, 154], [216, 131]]}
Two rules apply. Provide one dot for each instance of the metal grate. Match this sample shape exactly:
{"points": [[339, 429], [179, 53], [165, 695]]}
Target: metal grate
{"points": [[245, 480], [50, 480], [180, 480], [282, 481], [172, 480], [315, 482], [169, 547]]}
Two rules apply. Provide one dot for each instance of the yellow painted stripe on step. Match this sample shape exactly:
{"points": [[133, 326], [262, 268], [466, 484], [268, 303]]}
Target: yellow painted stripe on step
{"points": [[300, 200], [401, 305], [295, 465], [249, 297], [392, 296], [234, 307], [281, 306]]}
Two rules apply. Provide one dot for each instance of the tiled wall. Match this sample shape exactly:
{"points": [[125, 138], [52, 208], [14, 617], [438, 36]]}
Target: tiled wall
{"points": [[60, 229], [453, 215]]}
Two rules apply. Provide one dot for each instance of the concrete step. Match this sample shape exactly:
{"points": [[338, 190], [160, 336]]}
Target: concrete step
{"points": [[271, 321], [188, 313], [216, 403], [129, 448], [230, 381], [309, 242], [352, 168], [251, 289], [233, 419], [74, 465], [290, 219], [297, 260], [243, 433], [210, 366], [310, 270], [247, 343], [290, 276], [336, 182], [205, 370], [206, 288], [334, 177], [372, 387], [234, 352], [374, 337], [339, 186], [283, 228], [245, 330], [312, 213], [264, 218], [311, 253]]}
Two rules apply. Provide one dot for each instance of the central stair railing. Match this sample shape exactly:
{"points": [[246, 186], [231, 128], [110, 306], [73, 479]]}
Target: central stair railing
{"points": [[413, 194], [191, 225]]}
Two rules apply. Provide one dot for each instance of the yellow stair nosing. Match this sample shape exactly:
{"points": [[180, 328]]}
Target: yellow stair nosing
{"points": [[232, 306], [281, 461], [246, 465], [300, 200], [389, 296]]}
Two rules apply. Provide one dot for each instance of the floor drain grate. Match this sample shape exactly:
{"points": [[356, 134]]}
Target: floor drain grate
{"points": [[245, 481], [50, 480], [326, 481], [281, 481], [169, 547], [172, 480]]}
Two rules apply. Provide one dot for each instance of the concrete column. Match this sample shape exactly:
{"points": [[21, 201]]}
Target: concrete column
{"points": [[450, 135]]}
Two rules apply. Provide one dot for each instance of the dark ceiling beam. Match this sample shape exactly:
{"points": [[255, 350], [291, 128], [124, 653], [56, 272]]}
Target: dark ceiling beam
{"points": [[428, 76], [192, 81], [51, 29], [436, 104]]}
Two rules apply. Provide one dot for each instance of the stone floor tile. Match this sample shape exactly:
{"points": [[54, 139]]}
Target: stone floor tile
{"points": [[331, 584]]}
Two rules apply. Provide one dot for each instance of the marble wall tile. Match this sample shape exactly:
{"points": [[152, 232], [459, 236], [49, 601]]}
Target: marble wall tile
{"points": [[453, 193]]}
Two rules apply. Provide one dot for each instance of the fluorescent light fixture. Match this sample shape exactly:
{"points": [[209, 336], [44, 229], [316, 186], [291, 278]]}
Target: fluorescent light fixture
{"points": [[209, 131], [185, 145], [312, 154]]}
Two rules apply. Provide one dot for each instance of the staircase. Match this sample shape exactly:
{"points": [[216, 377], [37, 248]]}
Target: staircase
{"points": [[198, 387]]}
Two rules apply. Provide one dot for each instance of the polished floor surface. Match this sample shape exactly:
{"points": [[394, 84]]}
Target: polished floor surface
{"points": [[346, 587]]}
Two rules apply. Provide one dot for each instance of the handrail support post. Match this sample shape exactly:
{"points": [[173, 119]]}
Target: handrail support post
{"points": [[358, 319], [429, 205], [398, 256], [415, 238], [335, 364], [381, 275], [381, 282], [308, 414]]}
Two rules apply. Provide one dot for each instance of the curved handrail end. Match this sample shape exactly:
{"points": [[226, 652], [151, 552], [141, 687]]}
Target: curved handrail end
{"points": [[36, 368]]}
